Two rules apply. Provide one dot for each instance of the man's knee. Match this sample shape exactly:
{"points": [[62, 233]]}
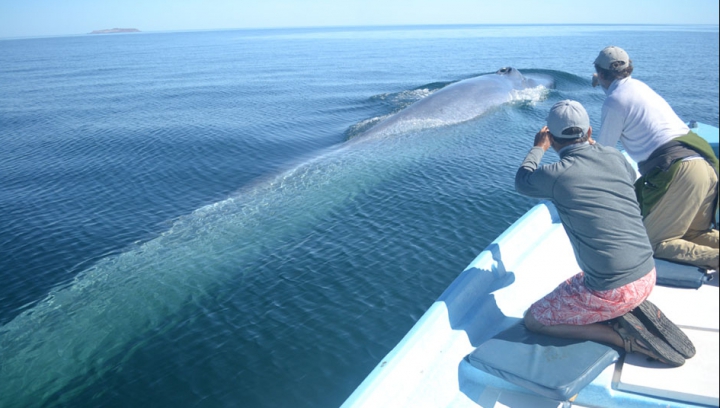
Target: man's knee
{"points": [[532, 323]]}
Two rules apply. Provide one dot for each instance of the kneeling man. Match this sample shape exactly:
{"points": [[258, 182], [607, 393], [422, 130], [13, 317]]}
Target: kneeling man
{"points": [[598, 209]]}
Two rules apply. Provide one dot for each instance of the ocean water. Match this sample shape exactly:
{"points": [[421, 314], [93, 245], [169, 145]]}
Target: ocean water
{"points": [[195, 219]]}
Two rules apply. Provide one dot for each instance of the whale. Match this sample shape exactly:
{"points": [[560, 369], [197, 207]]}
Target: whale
{"points": [[86, 328], [463, 100]]}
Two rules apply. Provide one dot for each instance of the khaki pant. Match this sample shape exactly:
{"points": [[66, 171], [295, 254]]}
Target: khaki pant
{"points": [[679, 224]]}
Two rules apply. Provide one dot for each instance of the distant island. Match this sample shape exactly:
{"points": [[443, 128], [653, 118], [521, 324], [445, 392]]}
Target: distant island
{"points": [[116, 30]]}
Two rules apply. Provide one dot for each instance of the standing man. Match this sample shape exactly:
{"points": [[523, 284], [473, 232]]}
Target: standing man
{"points": [[592, 188], [678, 190]]}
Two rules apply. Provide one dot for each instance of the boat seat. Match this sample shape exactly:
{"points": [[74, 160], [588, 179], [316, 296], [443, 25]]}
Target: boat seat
{"points": [[552, 367], [678, 275]]}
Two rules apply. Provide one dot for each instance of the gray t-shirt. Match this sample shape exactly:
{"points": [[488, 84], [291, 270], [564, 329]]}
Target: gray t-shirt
{"points": [[592, 188]]}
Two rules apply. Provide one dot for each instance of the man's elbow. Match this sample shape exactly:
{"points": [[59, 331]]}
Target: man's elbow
{"points": [[521, 181]]}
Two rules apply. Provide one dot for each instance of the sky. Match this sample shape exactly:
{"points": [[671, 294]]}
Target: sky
{"points": [[37, 18]]}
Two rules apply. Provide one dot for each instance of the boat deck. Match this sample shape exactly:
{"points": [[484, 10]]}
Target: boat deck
{"points": [[696, 312], [427, 368]]}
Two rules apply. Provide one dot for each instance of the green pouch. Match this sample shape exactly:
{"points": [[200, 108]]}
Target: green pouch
{"points": [[650, 188]]}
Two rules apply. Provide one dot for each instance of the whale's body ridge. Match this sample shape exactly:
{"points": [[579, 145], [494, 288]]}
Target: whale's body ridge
{"points": [[461, 101]]}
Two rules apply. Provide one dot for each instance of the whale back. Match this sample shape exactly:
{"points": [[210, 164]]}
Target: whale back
{"points": [[459, 102]]}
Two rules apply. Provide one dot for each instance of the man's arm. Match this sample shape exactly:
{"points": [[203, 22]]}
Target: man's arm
{"points": [[528, 181]]}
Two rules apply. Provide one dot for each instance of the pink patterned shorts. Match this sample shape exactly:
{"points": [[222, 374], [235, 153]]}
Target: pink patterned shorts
{"points": [[573, 303]]}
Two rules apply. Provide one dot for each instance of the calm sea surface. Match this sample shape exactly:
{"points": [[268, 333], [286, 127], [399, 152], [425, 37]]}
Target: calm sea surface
{"points": [[194, 219]]}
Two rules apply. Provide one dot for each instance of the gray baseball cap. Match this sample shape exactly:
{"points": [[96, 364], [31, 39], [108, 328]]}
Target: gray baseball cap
{"points": [[566, 115], [612, 54]]}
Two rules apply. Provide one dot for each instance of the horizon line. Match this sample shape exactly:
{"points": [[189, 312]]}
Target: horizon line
{"points": [[140, 31]]}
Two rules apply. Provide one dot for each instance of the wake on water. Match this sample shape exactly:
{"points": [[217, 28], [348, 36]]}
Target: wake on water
{"points": [[78, 329]]}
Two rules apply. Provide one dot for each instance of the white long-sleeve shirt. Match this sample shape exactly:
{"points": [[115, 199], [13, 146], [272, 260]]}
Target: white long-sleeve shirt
{"points": [[637, 116]]}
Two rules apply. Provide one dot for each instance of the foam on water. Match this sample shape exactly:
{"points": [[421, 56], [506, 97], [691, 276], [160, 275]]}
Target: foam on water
{"points": [[529, 95]]}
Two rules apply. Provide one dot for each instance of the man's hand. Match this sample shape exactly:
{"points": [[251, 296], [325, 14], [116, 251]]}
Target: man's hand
{"points": [[542, 138]]}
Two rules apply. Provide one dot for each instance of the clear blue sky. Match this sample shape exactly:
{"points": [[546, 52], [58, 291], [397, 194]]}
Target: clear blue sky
{"points": [[23, 18]]}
